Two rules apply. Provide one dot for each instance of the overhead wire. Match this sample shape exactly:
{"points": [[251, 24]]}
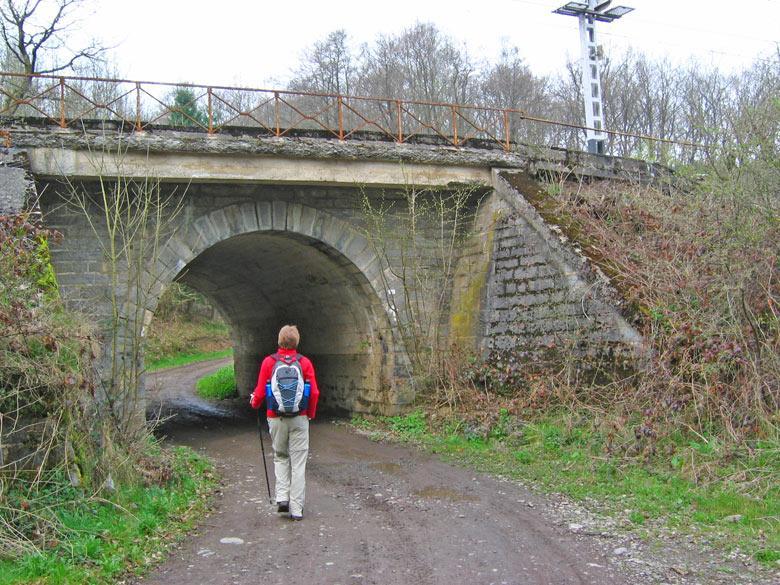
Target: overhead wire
{"points": [[710, 51]]}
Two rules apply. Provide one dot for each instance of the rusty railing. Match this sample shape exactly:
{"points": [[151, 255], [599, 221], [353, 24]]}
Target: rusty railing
{"points": [[70, 101]]}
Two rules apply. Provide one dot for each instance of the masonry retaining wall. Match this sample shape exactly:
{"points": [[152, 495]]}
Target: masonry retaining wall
{"points": [[17, 188], [544, 299]]}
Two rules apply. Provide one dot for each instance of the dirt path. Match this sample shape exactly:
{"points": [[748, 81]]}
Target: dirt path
{"points": [[375, 514]]}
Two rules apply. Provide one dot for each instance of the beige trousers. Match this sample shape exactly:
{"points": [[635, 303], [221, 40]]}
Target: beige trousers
{"points": [[290, 440]]}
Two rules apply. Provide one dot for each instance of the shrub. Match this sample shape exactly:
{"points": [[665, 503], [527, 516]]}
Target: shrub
{"points": [[49, 398], [219, 385]]}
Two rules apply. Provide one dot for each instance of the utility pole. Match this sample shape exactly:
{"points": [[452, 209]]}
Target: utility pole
{"points": [[588, 13]]}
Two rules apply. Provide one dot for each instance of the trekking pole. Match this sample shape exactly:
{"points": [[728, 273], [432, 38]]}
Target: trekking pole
{"points": [[262, 448]]}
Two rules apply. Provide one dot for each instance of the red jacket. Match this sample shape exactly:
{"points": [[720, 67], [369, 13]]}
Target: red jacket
{"points": [[267, 368]]}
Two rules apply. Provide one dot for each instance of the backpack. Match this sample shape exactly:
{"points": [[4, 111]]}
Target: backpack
{"points": [[287, 394]]}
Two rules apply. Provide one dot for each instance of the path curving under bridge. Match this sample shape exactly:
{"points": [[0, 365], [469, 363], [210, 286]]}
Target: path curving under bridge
{"points": [[260, 281], [375, 514]]}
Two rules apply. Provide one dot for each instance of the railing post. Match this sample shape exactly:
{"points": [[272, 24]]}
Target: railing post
{"points": [[62, 103], [400, 123], [506, 131], [341, 118], [455, 125], [276, 113], [138, 127], [211, 116]]}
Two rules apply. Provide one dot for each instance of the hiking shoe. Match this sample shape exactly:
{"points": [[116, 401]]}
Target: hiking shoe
{"points": [[295, 517], [282, 507]]}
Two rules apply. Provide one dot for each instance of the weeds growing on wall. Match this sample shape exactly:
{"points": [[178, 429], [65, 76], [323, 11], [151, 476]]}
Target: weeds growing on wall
{"points": [[71, 427], [701, 271], [49, 420], [130, 219], [417, 238]]}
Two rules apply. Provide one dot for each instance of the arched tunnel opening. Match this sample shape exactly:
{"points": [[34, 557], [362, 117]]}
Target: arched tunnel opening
{"points": [[261, 281], [264, 256]]}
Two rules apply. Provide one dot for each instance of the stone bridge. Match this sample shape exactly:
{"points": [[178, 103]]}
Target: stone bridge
{"points": [[274, 231]]}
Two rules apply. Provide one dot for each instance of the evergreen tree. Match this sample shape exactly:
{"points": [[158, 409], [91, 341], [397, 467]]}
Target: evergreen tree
{"points": [[185, 110]]}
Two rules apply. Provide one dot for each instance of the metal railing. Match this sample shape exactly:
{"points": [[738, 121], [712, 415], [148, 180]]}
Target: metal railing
{"points": [[70, 101]]}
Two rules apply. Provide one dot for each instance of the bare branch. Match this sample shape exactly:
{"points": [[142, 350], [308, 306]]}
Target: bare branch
{"points": [[36, 41]]}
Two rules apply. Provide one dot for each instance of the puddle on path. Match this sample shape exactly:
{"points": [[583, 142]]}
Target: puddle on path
{"points": [[391, 468], [440, 493]]}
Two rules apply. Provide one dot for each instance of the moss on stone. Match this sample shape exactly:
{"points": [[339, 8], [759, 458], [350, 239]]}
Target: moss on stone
{"points": [[553, 213], [465, 316], [465, 313]]}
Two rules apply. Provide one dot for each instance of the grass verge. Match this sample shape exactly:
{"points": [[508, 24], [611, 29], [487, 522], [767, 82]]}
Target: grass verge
{"points": [[218, 385], [126, 533], [183, 359], [178, 341], [565, 454]]}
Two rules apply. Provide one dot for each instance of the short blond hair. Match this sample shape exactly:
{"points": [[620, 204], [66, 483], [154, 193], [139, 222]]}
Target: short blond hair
{"points": [[289, 337]]}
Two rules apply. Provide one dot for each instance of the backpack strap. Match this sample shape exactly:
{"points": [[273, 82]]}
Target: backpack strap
{"points": [[289, 360]]}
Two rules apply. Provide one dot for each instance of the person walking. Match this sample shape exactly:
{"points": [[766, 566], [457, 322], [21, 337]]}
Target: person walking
{"points": [[288, 386]]}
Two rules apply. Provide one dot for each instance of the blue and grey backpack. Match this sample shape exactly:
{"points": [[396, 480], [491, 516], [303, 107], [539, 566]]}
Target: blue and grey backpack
{"points": [[287, 393]]}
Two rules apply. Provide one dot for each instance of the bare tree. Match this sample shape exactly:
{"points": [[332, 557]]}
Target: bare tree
{"points": [[566, 106], [421, 64], [509, 83], [37, 38], [131, 221], [417, 239], [34, 37], [327, 67]]}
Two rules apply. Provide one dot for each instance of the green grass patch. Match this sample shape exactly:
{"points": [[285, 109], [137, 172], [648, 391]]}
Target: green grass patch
{"points": [[412, 426], [179, 341], [105, 539], [218, 385], [740, 497], [186, 358]]}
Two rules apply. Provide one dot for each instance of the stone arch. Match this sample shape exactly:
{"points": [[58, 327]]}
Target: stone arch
{"points": [[358, 360]]}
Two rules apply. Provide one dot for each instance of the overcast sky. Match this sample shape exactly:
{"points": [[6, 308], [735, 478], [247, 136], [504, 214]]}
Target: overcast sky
{"points": [[257, 43]]}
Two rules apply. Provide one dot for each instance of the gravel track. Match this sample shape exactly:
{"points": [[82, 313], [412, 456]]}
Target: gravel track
{"points": [[376, 513]]}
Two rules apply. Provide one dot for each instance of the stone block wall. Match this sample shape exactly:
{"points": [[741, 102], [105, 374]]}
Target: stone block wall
{"points": [[266, 255], [24, 444], [17, 189], [473, 267], [544, 300]]}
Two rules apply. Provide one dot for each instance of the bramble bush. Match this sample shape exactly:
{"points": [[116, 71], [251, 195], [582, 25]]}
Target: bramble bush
{"points": [[698, 262], [50, 400], [702, 280]]}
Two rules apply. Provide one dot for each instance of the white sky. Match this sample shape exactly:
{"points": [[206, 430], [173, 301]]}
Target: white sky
{"points": [[257, 43]]}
